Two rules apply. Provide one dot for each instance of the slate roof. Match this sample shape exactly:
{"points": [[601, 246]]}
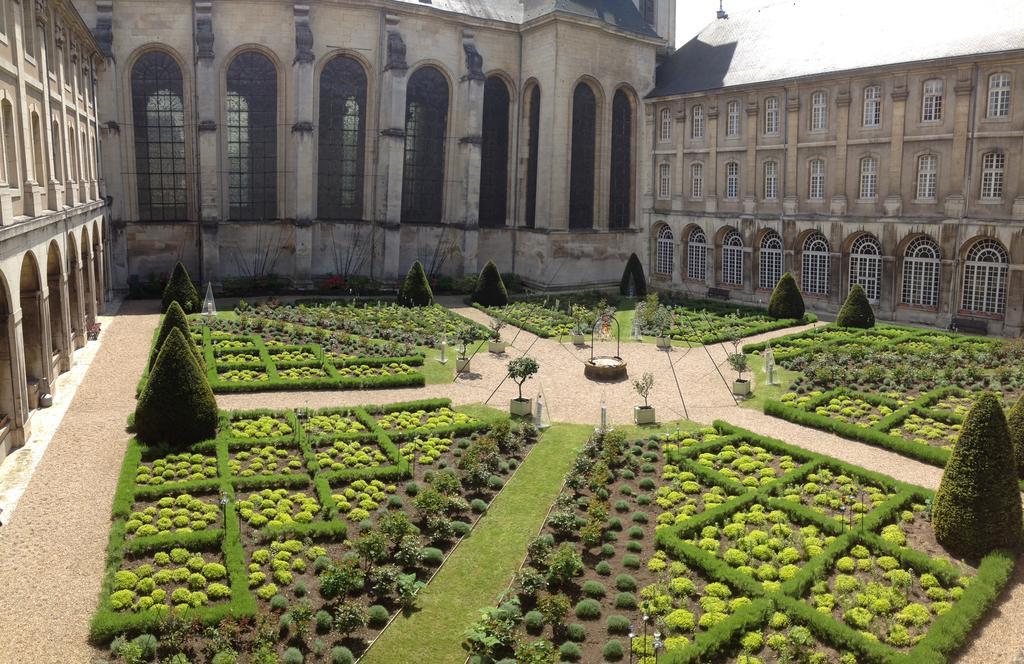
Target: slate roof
{"points": [[793, 38], [621, 14]]}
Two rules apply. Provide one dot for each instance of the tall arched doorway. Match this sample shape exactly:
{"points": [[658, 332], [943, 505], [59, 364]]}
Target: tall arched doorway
{"points": [[9, 374], [59, 325], [34, 332]]}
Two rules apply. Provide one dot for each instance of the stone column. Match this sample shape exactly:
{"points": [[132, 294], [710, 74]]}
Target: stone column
{"points": [[302, 146], [208, 109], [711, 172], [750, 180], [77, 323], [65, 344], [98, 265], [790, 201], [22, 409], [90, 275], [837, 179], [391, 149], [682, 175], [894, 197], [38, 302], [471, 96], [956, 196]]}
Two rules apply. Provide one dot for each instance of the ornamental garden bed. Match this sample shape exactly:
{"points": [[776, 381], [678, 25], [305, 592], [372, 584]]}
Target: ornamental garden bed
{"points": [[705, 322], [760, 568], [300, 530]]}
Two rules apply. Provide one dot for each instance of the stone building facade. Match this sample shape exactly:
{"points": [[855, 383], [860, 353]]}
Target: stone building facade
{"points": [[337, 137], [52, 233], [896, 165]]}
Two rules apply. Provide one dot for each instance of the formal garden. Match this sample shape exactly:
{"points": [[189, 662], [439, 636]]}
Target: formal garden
{"points": [[300, 534]]}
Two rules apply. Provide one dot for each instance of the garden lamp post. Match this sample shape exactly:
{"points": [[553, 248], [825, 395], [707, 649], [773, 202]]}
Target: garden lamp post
{"points": [[647, 619], [444, 350], [632, 635], [657, 646]]}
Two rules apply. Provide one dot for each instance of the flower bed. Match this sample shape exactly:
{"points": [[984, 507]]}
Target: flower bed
{"points": [[183, 467], [266, 460], [173, 513], [406, 420], [836, 494], [176, 578], [927, 431]]}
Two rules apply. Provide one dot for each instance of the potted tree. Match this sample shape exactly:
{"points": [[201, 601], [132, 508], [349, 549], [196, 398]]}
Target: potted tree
{"points": [[462, 362], [738, 362], [520, 370], [579, 316], [495, 344], [644, 414], [662, 320]]}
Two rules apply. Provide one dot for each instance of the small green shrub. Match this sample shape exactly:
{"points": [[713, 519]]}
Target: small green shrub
{"points": [[617, 624], [603, 568], [180, 289], [292, 656], [786, 301], [613, 651], [625, 600], [415, 291], [570, 652], [593, 589], [377, 616], [533, 621], [856, 311], [490, 289], [324, 622], [341, 655], [625, 582], [588, 609], [576, 632]]}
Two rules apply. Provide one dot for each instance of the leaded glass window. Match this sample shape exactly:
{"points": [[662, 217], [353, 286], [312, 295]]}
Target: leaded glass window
{"points": [[158, 118], [921, 273], [494, 154], [665, 251], [426, 123], [815, 265], [984, 289], [732, 259], [341, 140], [532, 159], [697, 255], [770, 260], [621, 187], [252, 137], [581, 176], [866, 265]]}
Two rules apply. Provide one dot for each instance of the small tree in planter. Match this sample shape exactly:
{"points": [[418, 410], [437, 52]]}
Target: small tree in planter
{"points": [[496, 345], [662, 322], [580, 318], [739, 364], [520, 370], [644, 414], [462, 362]]}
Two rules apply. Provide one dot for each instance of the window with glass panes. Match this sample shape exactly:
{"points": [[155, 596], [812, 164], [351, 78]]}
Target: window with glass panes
{"points": [[816, 182], [771, 115], [771, 180], [999, 95], [732, 259], [697, 180], [697, 122], [921, 273], [494, 154], [252, 137], [868, 177], [158, 116], [993, 165], [732, 120], [664, 181], [341, 139], [931, 100], [426, 126], [697, 255], [664, 252], [872, 106], [927, 175], [815, 265], [770, 260], [984, 287], [620, 198], [866, 265], [666, 124], [581, 170], [819, 111], [732, 180]]}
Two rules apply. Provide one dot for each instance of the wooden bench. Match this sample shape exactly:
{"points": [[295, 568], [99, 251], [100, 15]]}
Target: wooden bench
{"points": [[969, 326], [718, 293]]}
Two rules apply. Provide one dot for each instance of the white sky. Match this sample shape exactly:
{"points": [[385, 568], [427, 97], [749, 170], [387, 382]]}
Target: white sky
{"points": [[693, 15]]}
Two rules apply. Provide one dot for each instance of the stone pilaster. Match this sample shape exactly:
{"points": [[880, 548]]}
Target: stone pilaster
{"points": [[22, 409], [58, 288], [790, 202], [208, 111], [956, 196], [303, 149], [99, 261], [894, 197], [837, 180], [391, 148], [470, 148], [749, 176], [711, 171], [76, 295], [90, 277]]}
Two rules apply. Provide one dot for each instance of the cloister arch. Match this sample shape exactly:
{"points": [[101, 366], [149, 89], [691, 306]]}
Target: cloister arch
{"points": [[34, 332], [88, 285], [97, 267], [9, 386], [75, 301], [59, 325]]}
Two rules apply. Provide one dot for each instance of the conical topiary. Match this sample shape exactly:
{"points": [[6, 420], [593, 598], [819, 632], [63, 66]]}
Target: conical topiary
{"points": [[415, 291], [977, 508], [175, 318], [633, 274], [177, 405], [180, 289], [856, 311], [1015, 425], [786, 301], [490, 289]]}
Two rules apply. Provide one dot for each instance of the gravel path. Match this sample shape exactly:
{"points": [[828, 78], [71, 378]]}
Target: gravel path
{"points": [[52, 552]]}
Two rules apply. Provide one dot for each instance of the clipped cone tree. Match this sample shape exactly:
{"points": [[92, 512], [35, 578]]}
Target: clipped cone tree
{"points": [[177, 405], [856, 311], [633, 274], [180, 289], [415, 291], [174, 319], [490, 289], [978, 508], [786, 301], [1015, 425]]}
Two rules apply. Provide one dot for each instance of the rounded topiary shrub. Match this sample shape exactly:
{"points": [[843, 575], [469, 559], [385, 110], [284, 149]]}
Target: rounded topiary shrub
{"points": [[1015, 425], [432, 557], [377, 615], [415, 291], [292, 656], [588, 609], [533, 621], [633, 276], [786, 301], [180, 289], [570, 652], [617, 624], [856, 311], [341, 655], [593, 589], [978, 507], [576, 632], [177, 405], [175, 318], [490, 289], [613, 651]]}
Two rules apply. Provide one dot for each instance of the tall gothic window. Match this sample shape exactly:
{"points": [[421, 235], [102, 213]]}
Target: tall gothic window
{"points": [[815, 265], [426, 121], [581, 176], [984, 289], [621, 198], [252, 137], [494, 154], [732, 259], [532, 160], [866, 265], [158, 116], [342, 140], [770, 260], [697, 255], [921, 273]]}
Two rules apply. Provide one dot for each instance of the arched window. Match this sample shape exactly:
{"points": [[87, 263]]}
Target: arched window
{"points": [[984, 289], [819, 110], [866, 265], [771, 180], [732, 180], [732, 119], [252, 137], [158, 115], [815, 265], [666, 125], [921, 273], [816, 179], [927, 175], [732, 259], [532, 158], [341, 142], [697, 121], [872, 106], [868, 178], [931, 100], [999, 95], [665, 252], [771, 116], [697, 255], [426, 124], [697, 180], [10, 147], [494, 154], [665, 181], [770, 260], [581, 176], [993, 165], [620, 205]]}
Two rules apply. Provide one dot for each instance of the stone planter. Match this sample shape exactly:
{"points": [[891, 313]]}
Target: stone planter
{"points": [[577, 340], [521, 407], [496, 347], [644, 415], [664, 342], [741, 388], [462, 364]]}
